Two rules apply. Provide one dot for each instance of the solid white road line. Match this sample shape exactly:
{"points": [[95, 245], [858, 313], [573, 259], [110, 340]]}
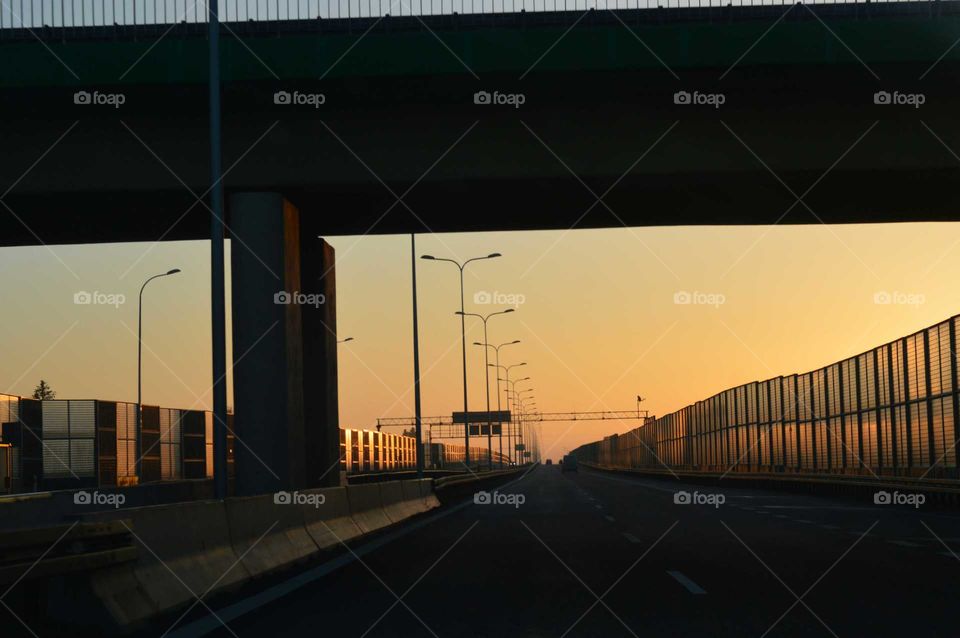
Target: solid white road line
{"points": [[610, 518], [691, 586], [630, 537]]}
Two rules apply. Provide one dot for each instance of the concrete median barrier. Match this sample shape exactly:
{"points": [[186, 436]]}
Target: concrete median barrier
{"points": [[190, 550], [269, 533], [419, 496], [331, 522], [366, 508], [185, 552], [394, 505]]}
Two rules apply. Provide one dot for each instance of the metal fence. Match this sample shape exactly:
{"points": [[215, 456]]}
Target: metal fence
{"points": [[38, 14], [889, 411], [69, 429], [9, 420], [371, 451], [70, 443]]}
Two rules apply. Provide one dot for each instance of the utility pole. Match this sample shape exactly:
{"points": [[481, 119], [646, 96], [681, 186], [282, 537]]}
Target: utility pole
{"points": [[416, 359]]}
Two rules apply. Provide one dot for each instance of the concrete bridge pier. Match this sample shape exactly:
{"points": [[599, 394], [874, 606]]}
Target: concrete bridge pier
{"points": [[284, 347]]}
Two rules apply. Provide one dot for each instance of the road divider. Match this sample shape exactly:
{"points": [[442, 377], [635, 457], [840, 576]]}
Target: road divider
{"points": [[185, 550], [332, 524], [366, 507], [191, 550], [266, 534]]}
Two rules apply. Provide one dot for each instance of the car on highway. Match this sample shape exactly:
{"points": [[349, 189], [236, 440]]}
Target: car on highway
{"points": [[549, 461], [568, 464]]}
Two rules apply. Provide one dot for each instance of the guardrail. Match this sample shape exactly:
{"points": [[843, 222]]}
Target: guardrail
{"points": [[118, 14]]}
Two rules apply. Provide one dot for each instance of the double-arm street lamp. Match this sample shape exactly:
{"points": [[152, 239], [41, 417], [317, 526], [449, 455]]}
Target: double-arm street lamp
{"points": [[509, 389], [496, 349], [463, 342], [522, 402], [486, 370], [140, 365]]}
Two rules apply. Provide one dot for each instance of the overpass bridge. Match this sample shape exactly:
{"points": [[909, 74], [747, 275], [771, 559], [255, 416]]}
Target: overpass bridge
{"points": [[798, 137]]}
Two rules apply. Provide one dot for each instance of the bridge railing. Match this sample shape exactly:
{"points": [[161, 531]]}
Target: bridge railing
{"points": [[26, 15]]}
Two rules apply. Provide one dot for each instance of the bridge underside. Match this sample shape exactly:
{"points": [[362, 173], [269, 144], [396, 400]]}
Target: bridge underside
{"points": [[598, 142]]}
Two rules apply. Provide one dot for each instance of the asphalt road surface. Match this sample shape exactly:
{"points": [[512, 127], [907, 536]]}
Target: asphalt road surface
{"points": [[596, 554]]}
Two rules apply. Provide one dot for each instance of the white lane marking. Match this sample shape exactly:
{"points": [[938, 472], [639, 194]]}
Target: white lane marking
{"points": [[830, 526], [599, 507], [630, 537], [803, 520], [780, 516], [817, 507], [905, 544], [610, 518], [948, 554], [691, 586], [634, 482]]}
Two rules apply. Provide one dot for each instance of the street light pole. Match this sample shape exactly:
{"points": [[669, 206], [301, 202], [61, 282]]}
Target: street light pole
{"points": [[518, 398], [486, 371], [418, 417], [140, 366], [506, 370], [463, 346], [496, 350]]}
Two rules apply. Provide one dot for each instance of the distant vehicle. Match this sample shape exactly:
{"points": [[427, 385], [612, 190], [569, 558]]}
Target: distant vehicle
{"points": [[568, 464], [549, 461]]}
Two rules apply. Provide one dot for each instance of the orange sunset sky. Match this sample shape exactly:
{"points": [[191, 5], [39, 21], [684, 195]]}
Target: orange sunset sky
{"points": [[596, 311]]}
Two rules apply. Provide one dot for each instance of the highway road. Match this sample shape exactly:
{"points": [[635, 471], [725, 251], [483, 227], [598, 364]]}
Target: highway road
{"points": [[596, 554]]}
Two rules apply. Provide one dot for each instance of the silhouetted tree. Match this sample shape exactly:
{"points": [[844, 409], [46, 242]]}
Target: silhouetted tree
{"points": [[43, 392]]}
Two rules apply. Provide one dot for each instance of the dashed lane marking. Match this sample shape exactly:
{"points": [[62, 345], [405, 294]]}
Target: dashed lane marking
{"points": [[691, 586]]}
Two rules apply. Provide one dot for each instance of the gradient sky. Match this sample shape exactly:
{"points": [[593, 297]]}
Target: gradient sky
{"points": [[597, 319]]}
